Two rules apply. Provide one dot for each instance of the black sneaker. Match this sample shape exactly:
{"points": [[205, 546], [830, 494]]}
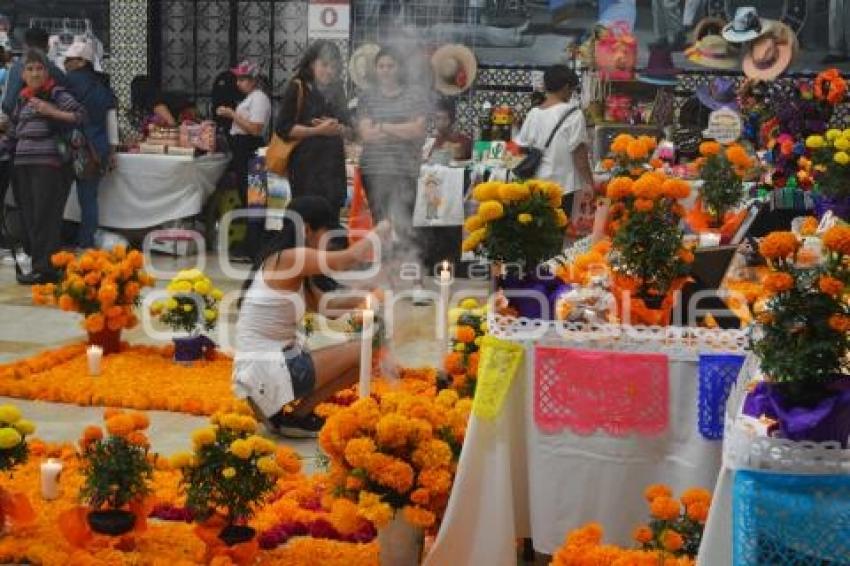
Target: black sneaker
{"points": [[290, 425]]}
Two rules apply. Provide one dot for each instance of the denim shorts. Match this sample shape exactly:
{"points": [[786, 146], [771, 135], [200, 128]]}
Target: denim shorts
{"points": [[302, 372]]}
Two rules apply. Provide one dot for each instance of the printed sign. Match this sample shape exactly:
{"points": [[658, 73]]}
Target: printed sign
{"points": [[724, 125], [328, 20]]}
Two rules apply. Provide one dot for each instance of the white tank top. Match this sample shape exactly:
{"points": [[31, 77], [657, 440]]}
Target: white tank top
{"points": [[268, 317]]}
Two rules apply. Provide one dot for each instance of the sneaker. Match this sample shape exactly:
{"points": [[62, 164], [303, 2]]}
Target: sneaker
{"points": [[293, 426]]}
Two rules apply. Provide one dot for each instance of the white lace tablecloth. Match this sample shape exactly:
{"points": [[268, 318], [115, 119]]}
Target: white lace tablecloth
{"points": [[514, 481], [148, 190]]}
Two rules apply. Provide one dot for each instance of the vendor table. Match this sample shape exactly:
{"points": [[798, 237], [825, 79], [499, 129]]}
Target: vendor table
{"points": [[149, 190], [515, 481]]}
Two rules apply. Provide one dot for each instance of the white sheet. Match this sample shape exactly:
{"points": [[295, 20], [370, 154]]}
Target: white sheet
{"points": [[149, 190]]}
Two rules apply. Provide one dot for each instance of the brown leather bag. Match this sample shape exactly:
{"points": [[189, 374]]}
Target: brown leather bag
{"points": [[280, 151]]}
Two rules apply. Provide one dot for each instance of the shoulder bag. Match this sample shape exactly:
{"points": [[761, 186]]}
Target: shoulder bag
{"points": [[280, 151], [527, 168]]}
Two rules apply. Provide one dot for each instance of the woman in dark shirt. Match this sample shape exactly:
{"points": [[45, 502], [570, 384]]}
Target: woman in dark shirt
{"points": [[317, 165]]}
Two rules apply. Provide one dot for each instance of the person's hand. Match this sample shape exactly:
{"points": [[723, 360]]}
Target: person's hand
{"points": [[327, 127], [225, 112], [42, 107]]}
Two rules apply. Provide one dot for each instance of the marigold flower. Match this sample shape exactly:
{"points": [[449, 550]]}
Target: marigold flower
{"points": [[621, 143], [9, 414], [473, 223], [486, 191], [512, 192], [698, 511], [561, 218], [607, 164], [636, 149], [420, 496], [67, 303], [656, 490], [664, 508], [687, 256], [138, 438], [465, 334], [779, 282], [778, 245], [203, 437], [830, 285], [181, 460], [695, 495], [120, 425], [709, 148], [647, 186], [841, 157], [644, 205], [815, 142], [619, 188], [524, 218], [643, 534], [453, 362], [229, 473], [809, 226], [241, 448], [9, 438], [358, 450], [491, 210], [738, 156], [24, 426], [837, 239], [675, 189], [419, 517], [432, 454], [839, 322], [672, 541], [288, 460]]}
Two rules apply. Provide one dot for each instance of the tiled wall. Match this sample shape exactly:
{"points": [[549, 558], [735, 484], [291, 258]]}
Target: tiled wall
{"points": [[128, 27]]}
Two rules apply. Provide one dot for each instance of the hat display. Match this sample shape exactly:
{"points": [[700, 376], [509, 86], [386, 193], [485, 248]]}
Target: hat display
{"points": [[771, 54], [246, 69], [711, 25], [745, 26], [659, 69], [80, 50], [362, 63], [712, 51], [454, 69], [719, 93]]}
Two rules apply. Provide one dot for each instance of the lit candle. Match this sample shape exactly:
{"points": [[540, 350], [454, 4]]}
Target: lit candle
{"points": [[50, 470], [94, 355], [366, 350], [709, 239], [443, 306]]}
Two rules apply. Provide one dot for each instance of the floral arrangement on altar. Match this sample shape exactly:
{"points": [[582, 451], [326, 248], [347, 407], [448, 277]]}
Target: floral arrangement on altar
{"points": [[104, 286], [672, 537], [117, 471], [647, 258], [13, 437], [629, 156], [232, 471], [397, 454], [802, 336], [468, 326], [517, 222], [829, 163], [722, 171]]}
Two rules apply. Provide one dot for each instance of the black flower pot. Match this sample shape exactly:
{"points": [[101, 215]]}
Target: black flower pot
{"points": [[235, 534], [112, 522], [652, 301]]}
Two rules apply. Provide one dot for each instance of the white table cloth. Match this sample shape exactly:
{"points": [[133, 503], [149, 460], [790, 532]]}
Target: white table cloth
{"points": [[148, 190], [514, 481]]}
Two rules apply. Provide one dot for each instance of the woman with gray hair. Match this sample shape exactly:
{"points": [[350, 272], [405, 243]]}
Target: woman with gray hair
{"points": [[41, 174]]}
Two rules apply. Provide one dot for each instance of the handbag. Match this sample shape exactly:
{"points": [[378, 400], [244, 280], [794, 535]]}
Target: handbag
{"points": [[76, 149], [527, 168], [280, 151]]}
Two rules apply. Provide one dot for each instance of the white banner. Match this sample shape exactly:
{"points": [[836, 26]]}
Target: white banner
{"points": [[328, 20]]}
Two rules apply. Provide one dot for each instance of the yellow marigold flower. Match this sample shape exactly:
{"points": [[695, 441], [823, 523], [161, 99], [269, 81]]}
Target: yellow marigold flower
{"points": [[779, 245], [24, 426], [491, 210], [486, 191], [229, 473], [837, 239], [815, 142], [203, 436], [460, 347], [247, 423], [268, 466], [561, 218], [841, 158], [419, 517], [832, 134], [171, 304], [9, 438], [393, 430], [513, 192], [242, 449], [524, 218], [260, 445], [9, 414], [231, 421], [473, 223], [181, 460], [216, 294], [842, 144], [447, 398], [210, 314], [188, 307], [202, 287]]}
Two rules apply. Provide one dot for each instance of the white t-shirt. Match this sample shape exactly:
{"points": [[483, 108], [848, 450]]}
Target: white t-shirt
{"points": [[256, 108], [557, 164]]}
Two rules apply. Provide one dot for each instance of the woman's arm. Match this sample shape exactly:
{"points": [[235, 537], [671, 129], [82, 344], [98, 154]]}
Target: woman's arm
{"points": [[65, 108], [249, 127]]}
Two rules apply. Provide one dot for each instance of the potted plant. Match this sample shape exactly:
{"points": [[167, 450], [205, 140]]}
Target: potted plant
{"points": [[830, 168], [468, 326], [802, 340], [192, 306], [395, 457], [116, 471], [722, 171], [518, 226], [647, 258], [231, 472], [104, 286], [629, 156]]}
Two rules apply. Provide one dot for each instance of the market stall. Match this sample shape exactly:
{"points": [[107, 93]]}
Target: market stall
{"points": [[144, 191]]}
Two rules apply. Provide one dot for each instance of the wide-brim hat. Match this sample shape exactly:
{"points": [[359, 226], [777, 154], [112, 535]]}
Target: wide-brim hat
{"points": [[745, 26], [712, 51], [362, 64], [771, 54], [719, 93], [80, 50], [710, 25], [659, 68], [455, 68]]}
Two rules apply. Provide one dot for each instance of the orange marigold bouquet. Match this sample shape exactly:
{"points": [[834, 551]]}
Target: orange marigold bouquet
{"points": [[517, 222], [104, 286], [397, 453], [469, 325], [802, 337], [672, 536], [722, 172], [629, 156]]}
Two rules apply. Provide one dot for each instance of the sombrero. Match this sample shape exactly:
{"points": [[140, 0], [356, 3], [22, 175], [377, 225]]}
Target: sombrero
{"points": [[362, 63], [454, 69], [711, 25], [712, 51], [771, 54], [745, 26]]}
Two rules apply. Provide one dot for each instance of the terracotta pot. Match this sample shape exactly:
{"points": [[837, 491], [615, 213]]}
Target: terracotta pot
{"points": [[109, 340], [112, 522], [236, 534]]}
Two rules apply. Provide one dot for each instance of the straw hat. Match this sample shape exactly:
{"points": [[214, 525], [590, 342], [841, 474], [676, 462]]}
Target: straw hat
{"points": [[745, 26], [454, 68], [362, 63], [711, 25], [771, 54], [712, 51]]}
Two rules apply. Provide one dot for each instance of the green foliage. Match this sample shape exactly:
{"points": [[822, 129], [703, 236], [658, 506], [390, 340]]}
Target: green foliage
{"points": [[510, 241], [11, 458], [722, 188], [116, 472], [187, 315]]}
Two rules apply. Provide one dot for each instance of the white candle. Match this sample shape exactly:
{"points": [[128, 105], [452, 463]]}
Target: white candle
{"points": [[443, 306], [365, 384], [50, 470], [709, 239], [94, 355]]}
